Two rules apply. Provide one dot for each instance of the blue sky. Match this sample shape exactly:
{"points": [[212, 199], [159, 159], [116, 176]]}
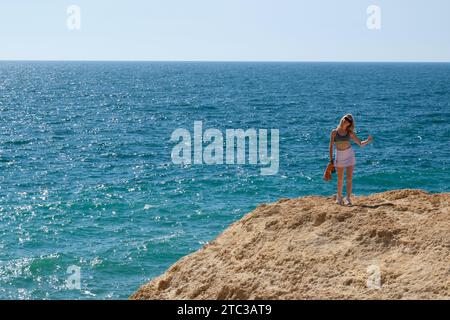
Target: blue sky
{"points": [[242, 30]]}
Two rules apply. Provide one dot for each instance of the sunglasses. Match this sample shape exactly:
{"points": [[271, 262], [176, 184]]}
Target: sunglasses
{"points": [[348, 119]]}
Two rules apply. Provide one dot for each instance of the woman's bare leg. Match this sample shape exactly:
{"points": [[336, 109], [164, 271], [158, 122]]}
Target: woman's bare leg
{"points": [[340, 174], [349, 181]]}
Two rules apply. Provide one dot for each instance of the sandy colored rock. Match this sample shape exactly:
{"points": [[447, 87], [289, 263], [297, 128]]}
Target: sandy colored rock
{"points": [[312, 248]]}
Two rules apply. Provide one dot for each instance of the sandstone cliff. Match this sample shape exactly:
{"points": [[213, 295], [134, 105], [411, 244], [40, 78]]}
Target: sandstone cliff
{"points": [[390, 245]]}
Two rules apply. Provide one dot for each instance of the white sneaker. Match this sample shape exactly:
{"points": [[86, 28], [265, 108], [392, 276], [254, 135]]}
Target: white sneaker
{"points": [[347, 201], [339, 200]]}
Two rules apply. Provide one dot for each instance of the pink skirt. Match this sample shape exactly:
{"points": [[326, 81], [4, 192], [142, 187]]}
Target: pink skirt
{"points": [[345, 158]]}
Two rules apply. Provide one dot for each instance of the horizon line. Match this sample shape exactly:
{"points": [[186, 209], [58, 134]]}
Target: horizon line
{"points": [[226, 61]]}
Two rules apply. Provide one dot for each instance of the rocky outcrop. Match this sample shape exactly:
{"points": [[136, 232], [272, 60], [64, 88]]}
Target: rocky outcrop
{"points": [[390, 245]]}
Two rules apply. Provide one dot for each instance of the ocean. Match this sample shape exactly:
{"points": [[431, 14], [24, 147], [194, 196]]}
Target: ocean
{"points": [[92, 205]]}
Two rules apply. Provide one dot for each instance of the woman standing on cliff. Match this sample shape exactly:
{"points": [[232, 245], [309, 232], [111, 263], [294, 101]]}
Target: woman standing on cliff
{"points": [[345, 156]]}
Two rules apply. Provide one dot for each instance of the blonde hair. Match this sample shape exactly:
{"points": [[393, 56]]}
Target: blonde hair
{"points": [[351, 128]]}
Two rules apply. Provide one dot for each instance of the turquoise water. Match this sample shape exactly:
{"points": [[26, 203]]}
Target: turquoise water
{"points": [[87, 178]]}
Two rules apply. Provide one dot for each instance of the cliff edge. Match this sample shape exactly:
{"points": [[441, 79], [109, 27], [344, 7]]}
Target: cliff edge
{"points": [[390, 245]]}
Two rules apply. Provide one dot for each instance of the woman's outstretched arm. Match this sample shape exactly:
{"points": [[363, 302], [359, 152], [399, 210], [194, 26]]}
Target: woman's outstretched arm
{"points": [[358, 141]]}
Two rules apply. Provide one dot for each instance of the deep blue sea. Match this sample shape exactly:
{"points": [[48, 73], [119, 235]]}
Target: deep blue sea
{"points": [[87, 178]]}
